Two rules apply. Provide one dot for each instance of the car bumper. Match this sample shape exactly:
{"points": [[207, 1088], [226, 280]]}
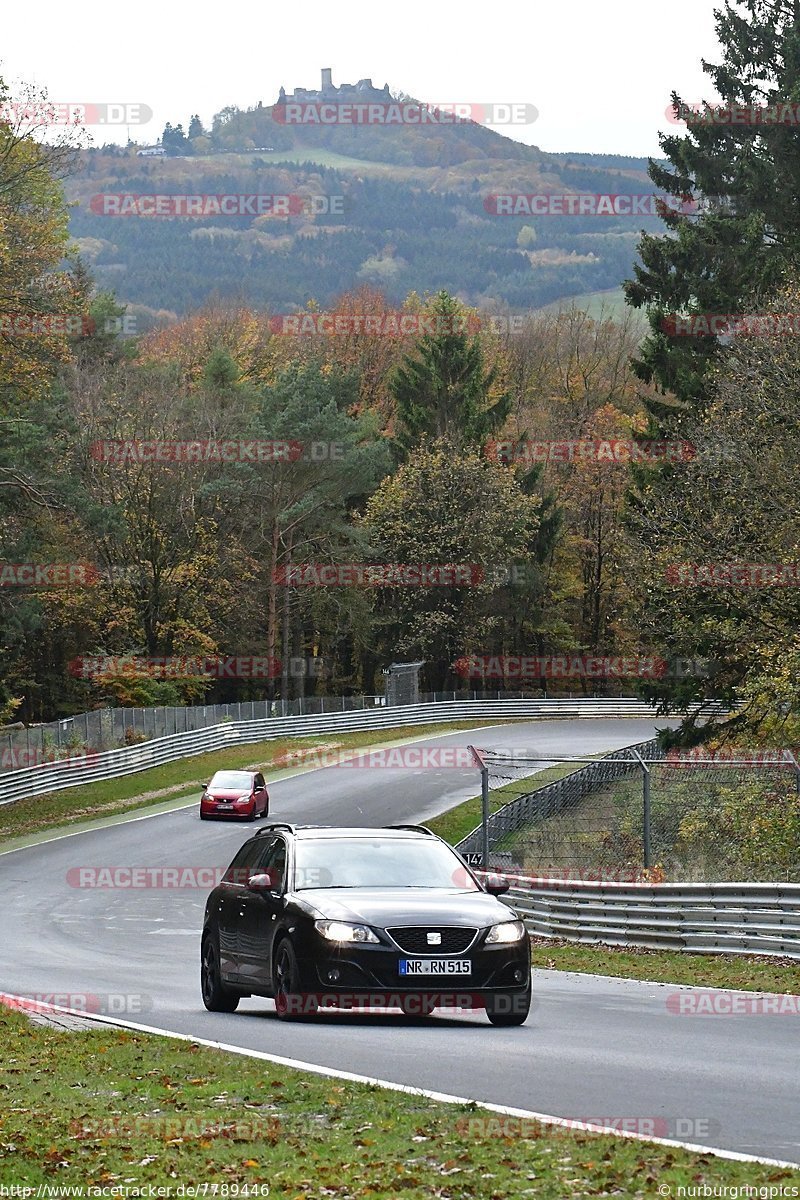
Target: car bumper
{"points": [[375, 969], [240, 813]]}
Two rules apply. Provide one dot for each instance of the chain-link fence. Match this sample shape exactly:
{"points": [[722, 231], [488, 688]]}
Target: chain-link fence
{"points": [[109, 728], [639, 814]]}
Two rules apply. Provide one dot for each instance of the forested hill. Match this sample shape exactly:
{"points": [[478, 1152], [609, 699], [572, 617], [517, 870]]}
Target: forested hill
{"points": [[404, 209]]}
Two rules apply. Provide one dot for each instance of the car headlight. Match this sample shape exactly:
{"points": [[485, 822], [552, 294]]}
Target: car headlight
{"points": [[242, 800], [338, 931], [507, 931]]}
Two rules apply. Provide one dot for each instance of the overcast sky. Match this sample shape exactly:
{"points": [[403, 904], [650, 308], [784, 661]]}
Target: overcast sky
{"points": [[599, 74]]}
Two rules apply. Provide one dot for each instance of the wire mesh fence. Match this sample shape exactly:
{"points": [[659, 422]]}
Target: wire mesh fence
{"points": [[109, 728], [639, 815]]}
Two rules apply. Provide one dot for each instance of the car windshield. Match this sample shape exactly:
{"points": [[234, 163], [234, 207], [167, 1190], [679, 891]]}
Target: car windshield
{"points": [[378, 863], [235, 780]]}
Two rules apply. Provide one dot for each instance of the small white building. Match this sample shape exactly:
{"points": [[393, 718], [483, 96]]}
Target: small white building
{"points": [[151, 152]]}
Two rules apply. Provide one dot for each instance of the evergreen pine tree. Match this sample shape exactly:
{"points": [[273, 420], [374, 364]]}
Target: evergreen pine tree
{"points": [[731, 257], [441, 390]]}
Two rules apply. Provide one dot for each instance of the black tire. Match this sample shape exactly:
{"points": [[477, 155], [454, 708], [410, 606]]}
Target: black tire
{"points": [[509, 1008], [290, 1004], [216, 997], [203, 817]]}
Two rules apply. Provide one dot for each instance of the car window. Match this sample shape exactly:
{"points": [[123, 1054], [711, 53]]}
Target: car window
{"points": [[244, 863], [233, 780], [379, 862], [273, 862]]}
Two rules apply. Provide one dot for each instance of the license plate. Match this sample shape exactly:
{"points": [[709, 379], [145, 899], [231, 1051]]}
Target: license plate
{"points": [[435, 966], [224, 807]]}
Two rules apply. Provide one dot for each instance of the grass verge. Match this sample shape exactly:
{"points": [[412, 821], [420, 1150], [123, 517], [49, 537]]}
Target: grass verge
{"points": [[172, 781], [105, 1108], [751, 973]]}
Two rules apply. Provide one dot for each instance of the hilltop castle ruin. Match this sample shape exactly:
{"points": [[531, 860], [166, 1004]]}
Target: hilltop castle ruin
{"points": [[363, 90]]}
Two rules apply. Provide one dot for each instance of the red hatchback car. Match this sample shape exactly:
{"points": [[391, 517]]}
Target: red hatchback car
{"points": [[241, 794]]}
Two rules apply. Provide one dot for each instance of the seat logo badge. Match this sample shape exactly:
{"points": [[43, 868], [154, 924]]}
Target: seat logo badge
{"points": [[434, 939]]}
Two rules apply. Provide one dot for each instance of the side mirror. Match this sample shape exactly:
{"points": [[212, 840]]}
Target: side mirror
{"points": [[496, 885], [204, 786], [260, 883]]}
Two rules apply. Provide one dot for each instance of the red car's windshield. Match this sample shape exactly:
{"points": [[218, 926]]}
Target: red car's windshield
{"points": [[232, 780]]}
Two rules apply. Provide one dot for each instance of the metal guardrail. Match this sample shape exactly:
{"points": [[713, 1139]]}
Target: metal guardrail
{"points": [[110, 728], [706, 918], [110, 764], [563, 794]]}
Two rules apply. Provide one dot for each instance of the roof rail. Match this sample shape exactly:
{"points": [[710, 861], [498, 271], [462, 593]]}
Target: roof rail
{"points": [[274, 825], [413, 829]]}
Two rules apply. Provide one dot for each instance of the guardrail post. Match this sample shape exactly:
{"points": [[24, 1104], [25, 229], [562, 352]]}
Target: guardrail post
{"points": [[645, 810], [481, 763], [485, 817], [796, 771]]}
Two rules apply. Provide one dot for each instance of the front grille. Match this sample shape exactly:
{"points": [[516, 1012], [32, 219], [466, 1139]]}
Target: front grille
{"points": [[413, 939]]}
